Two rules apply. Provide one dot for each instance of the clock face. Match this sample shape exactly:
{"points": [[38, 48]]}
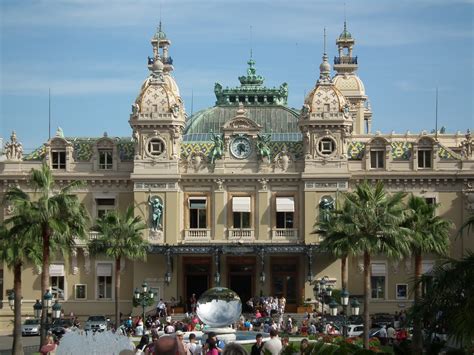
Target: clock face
{"points": [[240, 147]]}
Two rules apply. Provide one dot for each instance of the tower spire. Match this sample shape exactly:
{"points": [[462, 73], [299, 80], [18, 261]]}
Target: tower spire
{"points": [[325, 67]]}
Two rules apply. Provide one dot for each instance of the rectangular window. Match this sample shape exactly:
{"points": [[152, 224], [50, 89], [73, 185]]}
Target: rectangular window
{"points": [[104, 280], [424, 159], [198, 213], [430, 200], [377, 159], [105, 159], [104, 205], [56, 280], [241, 212], [377, 280], [241, 219], [326, 146], [401, 291], [80, 292], [285, 208], [57, 287], [284, 220], [58, 159], [377, 284]]}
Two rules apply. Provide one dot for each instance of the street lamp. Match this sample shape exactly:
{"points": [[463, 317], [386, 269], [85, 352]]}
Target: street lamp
{"points": [[37, 307], [11, 300], [333, 307], [262, 277], [143, 298], [321, 290], [355, 306], [217, 279], [56, 313]]}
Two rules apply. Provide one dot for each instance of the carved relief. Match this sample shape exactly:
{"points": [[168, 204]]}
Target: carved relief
{"points": [[87, 262], [197, 161], [467, 146], [220, 184], [284, 159], [264, 184], [74, 267]]}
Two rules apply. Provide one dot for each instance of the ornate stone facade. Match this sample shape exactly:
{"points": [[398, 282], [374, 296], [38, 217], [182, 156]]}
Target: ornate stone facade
{"points": [[252, 196]]}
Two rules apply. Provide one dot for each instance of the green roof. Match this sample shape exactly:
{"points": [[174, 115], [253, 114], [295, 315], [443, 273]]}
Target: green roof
{"points": [[272, 118]]}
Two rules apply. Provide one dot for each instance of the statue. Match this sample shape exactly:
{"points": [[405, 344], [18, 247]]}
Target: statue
{"points": [[13, 149], [326, 205], [218, 148], [263, 145], [467, 146], [59, 132], [156, 212]]}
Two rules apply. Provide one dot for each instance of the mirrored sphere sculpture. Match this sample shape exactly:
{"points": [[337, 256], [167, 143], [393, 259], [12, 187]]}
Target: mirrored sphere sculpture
{"points": [[219, 307]]}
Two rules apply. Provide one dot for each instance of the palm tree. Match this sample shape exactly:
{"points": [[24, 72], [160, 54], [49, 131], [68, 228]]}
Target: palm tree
{"points": [[336, 239], [450, 302], [55, 218], [15, 251], [119, 238], [428, 234], [371, 220]]}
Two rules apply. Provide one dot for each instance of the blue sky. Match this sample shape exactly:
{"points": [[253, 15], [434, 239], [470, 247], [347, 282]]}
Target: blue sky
{"points": [[92, 54]]}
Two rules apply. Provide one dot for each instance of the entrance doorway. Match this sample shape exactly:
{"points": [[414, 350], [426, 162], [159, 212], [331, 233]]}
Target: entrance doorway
{"points": [[197, 273], [242, 278], [284, 280]]}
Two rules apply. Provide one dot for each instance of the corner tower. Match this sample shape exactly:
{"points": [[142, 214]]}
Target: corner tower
{"points": [[158, 116], [347, 81], [325, 122]]}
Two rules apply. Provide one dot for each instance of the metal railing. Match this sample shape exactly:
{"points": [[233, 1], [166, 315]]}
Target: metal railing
{"points": [[345, 60]]}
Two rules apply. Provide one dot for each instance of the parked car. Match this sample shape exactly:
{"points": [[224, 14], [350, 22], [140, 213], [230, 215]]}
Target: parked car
{"points": [[96, 323], [355, 330], [31, 327], [61, 326]]}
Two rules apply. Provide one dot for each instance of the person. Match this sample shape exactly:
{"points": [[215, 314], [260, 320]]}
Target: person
{"points": [[383, 335], [285, 341], [304, 346], [161, 308], [234, 349], [139, 328], [212, 347], [194, 348], [141, 346], [257, 347], [166, 345], [49, 348], [180, 339], [151, 348], [391, 334], [192, 303], [273, 345], [212, 337]]}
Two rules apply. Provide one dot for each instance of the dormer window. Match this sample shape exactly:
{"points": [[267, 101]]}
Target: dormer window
{"points": [[377, 159], [425, 159], [58, 159], [105, 159]]}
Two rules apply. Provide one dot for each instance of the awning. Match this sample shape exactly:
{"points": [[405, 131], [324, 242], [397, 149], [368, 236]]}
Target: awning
{"points": [[379, 269], [104, 269], [197, 203], [241, 204], [56, 270], [285, 204]]}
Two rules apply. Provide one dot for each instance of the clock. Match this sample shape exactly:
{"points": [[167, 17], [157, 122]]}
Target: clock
{"points": [[240, 147]]}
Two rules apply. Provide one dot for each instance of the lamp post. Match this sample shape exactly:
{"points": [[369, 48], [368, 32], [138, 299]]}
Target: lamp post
{"points": [[11, 300], [321, 290], [56, 313], [355, 307], [47, 300], [344, 304], [143, 298], [37, 307]]}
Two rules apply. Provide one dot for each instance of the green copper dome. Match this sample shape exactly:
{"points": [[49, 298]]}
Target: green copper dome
{"points": [[160, 34], [265, 106], [345, 34]]}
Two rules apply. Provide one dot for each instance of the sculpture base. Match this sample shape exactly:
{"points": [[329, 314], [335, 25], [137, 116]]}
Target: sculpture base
{"points": [[227, 335]]}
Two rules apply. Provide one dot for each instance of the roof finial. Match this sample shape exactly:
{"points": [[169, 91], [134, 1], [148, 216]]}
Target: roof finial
{"points": [[324, 40], [325, 67], [251, 42], [345, 26]]}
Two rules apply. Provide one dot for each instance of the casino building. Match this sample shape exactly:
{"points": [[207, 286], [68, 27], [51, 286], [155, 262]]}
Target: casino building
{"points": [[240, 185]]}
